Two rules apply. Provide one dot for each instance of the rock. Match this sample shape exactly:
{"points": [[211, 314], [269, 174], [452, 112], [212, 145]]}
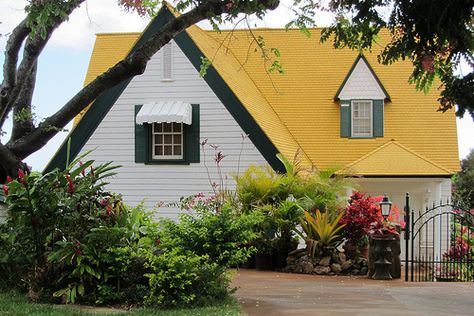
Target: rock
{"points": [[322, 270], [364, 271], [307, 267], [346, 265], [336, 267], [356, 266], [342, 258], [297, 252], [355, 271], [326, 261]]}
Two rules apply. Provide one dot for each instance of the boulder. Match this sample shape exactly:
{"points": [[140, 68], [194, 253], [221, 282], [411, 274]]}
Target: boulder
{"points": [[325, 262], [346, 265], [336, 268], [322, 270], [307, 267]]}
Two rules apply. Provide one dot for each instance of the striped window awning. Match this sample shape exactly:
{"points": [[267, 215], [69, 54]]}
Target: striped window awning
{"points": [[165, 112]]}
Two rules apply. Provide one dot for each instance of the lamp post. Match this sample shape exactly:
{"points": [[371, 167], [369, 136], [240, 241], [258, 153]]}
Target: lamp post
{"points": [[385, 206], [382, 246]]}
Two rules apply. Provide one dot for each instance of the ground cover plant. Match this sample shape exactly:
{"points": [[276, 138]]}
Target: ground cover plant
{"points": [[68, 240]]}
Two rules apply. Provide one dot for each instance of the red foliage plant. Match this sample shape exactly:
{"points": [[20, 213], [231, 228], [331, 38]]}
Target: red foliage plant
{"points": [[359, 215]]}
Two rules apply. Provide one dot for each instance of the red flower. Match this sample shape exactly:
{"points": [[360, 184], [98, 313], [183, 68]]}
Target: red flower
{"points": [[92, 171], [108, 209], [70, 184], [158, 242], [104, 202], [9, 179], [21, 176], [5, 189], [82, 172]]}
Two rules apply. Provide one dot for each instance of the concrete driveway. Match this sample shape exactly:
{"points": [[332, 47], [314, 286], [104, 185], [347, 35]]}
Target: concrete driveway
{"points": [[274, 293]]}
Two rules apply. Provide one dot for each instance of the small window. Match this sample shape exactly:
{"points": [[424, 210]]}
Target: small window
{"points": [[167, 62], [167, 141], [362, 119]]}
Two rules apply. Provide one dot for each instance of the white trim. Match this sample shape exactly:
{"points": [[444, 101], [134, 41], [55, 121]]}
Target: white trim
{"points": [[371, 119]]}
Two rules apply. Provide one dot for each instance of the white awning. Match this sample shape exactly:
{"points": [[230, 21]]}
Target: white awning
{"points": [[165, 112]]}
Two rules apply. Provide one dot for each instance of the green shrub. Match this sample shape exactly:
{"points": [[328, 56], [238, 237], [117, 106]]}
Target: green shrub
{"points": [[183, 278], [210, 229], [66, 237]]}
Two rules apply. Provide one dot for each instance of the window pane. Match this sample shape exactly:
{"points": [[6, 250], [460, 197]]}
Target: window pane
{"points": [[168, 139], [177, 139], [159, 139], [157, 127], [168, 150], [362, 118], [158, 150], [177, 127], [166, 127], [177, 151]]}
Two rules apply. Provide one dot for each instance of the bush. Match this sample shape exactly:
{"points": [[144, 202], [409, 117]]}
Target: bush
{"points": [[183, 278], [66, 237]]}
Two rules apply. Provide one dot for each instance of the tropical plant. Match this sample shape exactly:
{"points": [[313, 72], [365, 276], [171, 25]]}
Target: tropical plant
{"points": [[358, 217], [320, 232]]}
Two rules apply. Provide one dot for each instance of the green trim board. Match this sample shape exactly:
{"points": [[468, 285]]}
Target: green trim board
{"points": [[361, 56], [92, 118]]}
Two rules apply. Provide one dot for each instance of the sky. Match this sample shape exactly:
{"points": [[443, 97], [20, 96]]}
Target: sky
{"points": [[63, 64]]}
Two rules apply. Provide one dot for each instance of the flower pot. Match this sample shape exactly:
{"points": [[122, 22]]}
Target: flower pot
{"points": [[364, 251], [394, 255], [263, 262]]}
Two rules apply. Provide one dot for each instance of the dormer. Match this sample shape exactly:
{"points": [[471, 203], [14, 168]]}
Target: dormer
{"points": [[362, 97]]}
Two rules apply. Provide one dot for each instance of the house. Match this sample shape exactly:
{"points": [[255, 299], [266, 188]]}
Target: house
{"points": [[337, 107]]}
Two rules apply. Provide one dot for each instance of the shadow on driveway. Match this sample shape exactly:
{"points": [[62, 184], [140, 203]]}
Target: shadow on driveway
{"points": [[274, 293]]}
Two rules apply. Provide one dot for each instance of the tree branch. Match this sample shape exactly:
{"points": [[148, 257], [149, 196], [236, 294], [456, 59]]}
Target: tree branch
{"points": [[33, 47], [15, 40], [22, 110], [133, 65]]}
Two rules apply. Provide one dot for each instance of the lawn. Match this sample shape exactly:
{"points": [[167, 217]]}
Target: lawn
{"points": [[15, 304]]}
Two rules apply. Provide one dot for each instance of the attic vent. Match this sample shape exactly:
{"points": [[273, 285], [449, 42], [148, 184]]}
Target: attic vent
{"points": [[167, 62]]}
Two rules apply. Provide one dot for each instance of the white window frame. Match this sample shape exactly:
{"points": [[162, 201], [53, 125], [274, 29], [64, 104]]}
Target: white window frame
{"points": [[172, 133], [167, 62], [362, 135]]}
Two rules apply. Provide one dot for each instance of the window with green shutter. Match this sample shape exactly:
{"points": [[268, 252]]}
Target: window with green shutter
{"points": [[362, 118], [168, 143]]}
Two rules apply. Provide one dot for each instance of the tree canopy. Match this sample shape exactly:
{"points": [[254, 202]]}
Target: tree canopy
{"points": [[435, 35], [464, 183]]}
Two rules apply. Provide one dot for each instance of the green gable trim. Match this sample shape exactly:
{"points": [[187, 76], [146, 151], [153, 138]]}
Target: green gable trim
{"points": [[361, 56], [101, 106], [231, 102], [92, 118]]}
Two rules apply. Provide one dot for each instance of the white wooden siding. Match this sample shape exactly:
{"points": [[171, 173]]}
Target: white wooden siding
{"points": [[361, 84], [114, 138]]}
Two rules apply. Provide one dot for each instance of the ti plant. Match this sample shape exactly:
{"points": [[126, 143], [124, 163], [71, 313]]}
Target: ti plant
{"points": [[320, 232]]}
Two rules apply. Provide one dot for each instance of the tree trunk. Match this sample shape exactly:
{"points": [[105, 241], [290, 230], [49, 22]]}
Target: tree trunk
{"points": [[9, 164]]}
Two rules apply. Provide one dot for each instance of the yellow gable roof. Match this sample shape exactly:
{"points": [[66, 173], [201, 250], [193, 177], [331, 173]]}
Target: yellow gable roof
{"points": [[393, 158], [297, 109]]}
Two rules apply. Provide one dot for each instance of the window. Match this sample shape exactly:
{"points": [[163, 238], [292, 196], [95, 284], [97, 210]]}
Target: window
{"points": [[167, 141], [167, 64], [362, 119]]}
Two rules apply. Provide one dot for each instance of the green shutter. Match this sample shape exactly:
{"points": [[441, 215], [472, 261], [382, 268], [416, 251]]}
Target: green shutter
{"points": [[192, 135], [141, 139], [345, 118], [378, 117]]}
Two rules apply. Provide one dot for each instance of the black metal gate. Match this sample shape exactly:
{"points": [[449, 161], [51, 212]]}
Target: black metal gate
{"points": [[439, 244]]}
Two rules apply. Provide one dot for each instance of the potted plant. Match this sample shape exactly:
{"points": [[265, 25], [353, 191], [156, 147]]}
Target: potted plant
{"points": [[287, 215], [358, 216]]}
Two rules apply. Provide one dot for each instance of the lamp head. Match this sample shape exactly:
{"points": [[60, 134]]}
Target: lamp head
{"points": [[385, 206]]}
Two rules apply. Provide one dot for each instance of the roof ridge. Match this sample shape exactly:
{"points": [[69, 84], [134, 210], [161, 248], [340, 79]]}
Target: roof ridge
{"points": [[242, 68]]}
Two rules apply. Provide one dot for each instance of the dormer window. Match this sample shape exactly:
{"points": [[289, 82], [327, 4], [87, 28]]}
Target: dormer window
{"points": [[361, 98]]}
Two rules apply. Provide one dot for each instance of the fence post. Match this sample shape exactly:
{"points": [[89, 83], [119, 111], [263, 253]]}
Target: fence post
{"points": [[407, 232]]}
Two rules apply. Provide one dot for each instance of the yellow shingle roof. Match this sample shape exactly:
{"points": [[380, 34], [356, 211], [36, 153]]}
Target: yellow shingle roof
{"points": [[393, 158], [297, 109]]}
